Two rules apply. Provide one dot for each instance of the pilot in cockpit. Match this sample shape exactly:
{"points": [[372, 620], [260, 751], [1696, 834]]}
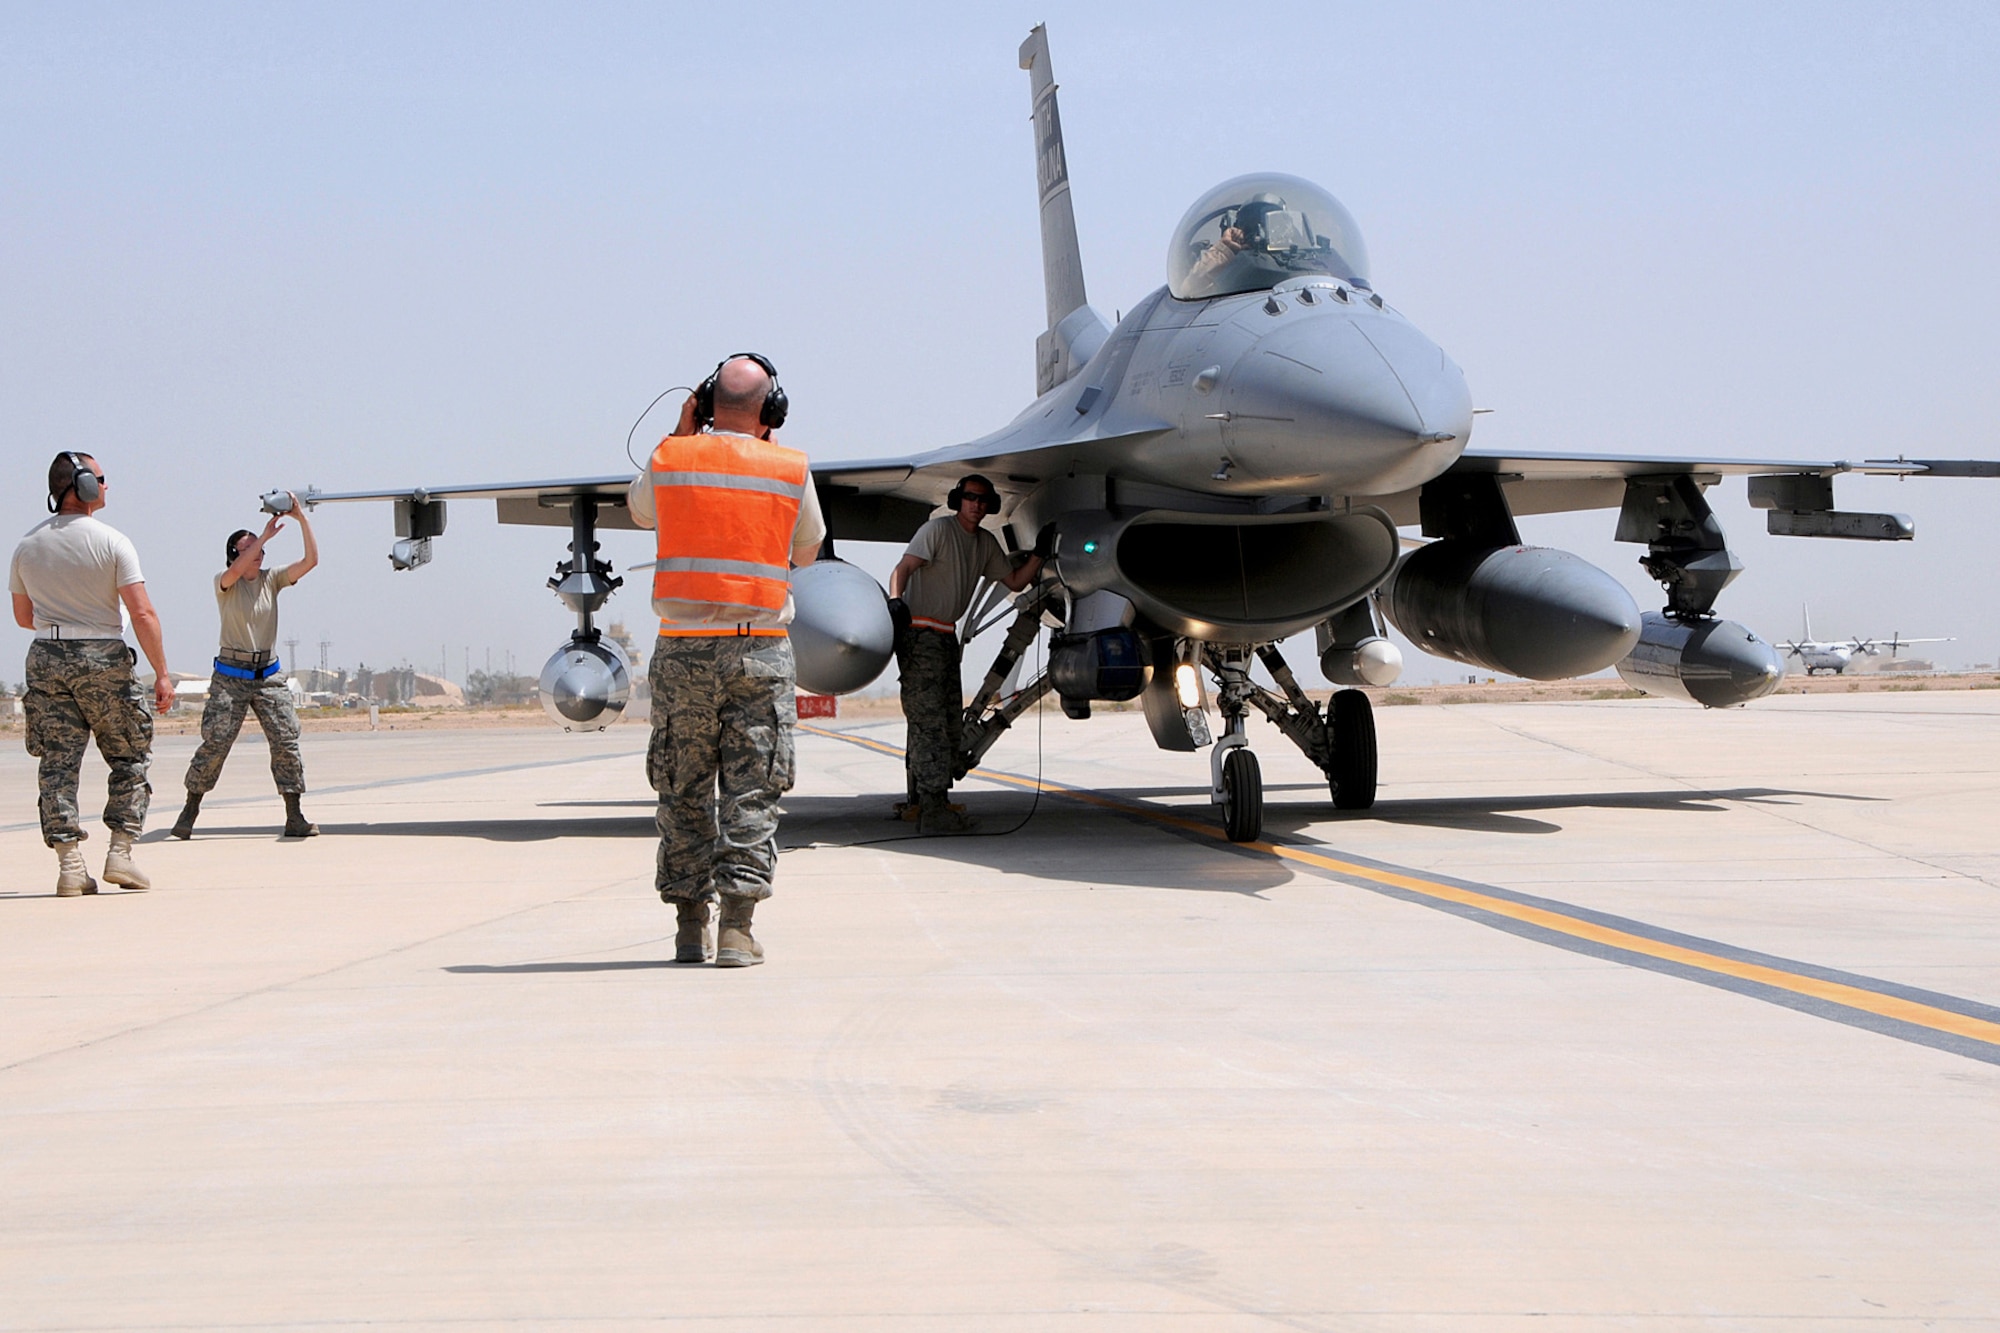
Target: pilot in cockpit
{"points": [[1253, 232], [1247, 229]]}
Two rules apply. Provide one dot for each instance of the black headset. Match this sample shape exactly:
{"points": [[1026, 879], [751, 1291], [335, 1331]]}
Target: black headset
{"points": [[82, 480], [957, 496], [776, 404]]}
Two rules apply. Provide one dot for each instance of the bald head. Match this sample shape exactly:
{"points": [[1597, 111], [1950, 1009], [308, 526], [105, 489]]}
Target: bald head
{"points": [[740, 387]]}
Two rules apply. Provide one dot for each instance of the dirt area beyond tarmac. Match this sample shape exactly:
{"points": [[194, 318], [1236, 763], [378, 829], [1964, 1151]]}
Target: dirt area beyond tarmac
{"points": [[184, 722]]}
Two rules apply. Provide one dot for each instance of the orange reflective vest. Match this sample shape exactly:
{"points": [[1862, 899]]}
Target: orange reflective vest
{"points": [[725, 508]]}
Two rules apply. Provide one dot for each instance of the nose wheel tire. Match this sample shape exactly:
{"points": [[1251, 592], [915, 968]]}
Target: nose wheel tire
{"points": [[1242, 796], [1350, 719]]}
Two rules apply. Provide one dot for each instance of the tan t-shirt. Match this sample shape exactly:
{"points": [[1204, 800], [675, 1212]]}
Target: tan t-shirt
{"points": [[250, 610], [71, 567], [954, 562]]}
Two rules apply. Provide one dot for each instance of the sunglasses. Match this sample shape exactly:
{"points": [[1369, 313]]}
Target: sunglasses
{"points": [[984, 499]]}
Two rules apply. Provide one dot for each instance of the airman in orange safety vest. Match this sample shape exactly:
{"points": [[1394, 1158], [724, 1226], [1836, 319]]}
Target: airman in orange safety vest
{"points": [[733, 510]]}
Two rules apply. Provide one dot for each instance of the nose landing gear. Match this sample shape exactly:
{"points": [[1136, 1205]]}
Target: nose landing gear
{"points": [[1340, 742]]}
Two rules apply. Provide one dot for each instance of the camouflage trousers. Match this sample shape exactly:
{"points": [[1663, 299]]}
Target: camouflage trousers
{"points": [[720, 757], [229, 701], [933, 705], [79, 688]]}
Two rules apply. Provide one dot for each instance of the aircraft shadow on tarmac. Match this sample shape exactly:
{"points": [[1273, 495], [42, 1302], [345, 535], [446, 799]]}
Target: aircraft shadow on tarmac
{"points": [[1019, 836], [492, 830], [607, 965], [1502, 814], [1125, 848]]}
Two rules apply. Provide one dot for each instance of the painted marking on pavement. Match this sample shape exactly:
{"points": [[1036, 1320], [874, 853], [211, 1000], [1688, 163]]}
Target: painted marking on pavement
{"points": [[1928, 1018]]}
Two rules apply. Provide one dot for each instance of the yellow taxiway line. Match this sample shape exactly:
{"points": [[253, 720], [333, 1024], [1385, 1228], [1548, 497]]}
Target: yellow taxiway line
{"points": [[1843, 994]]}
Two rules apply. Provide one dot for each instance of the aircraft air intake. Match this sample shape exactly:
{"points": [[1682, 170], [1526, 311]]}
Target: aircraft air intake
{"points": [[1229, 578]]}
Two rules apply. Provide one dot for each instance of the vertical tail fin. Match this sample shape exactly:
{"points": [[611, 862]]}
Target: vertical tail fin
{"points": [[1057, 350]]}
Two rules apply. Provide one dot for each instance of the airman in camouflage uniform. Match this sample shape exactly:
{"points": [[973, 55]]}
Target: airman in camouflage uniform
{"points": [[76, 690], [933, 704], [246, 675], [73, 580], [930, 588], [731, 507], [229, 702], [723, 713]]}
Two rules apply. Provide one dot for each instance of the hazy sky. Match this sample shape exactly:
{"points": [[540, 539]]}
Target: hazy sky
{"points": [[372, 245]]}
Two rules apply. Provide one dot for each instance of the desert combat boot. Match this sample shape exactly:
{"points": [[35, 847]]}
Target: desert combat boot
{"points": [[936, 814], [72, 874], [734, 947], [118, 867], [296, 823], [692, 943], [184, 826]]}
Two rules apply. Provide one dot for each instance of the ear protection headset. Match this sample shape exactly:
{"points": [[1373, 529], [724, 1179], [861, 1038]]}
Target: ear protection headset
{"points": [[957, 496], [234, 546], [776, 404], [82, 480]]}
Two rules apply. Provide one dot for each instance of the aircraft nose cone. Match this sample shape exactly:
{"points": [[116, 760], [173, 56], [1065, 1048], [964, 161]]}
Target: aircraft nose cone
{"points": [[1371, 401]]}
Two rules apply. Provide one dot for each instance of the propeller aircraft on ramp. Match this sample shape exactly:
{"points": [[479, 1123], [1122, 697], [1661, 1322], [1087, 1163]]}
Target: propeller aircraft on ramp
{"points": [[1835, 657], [1226, 467]]}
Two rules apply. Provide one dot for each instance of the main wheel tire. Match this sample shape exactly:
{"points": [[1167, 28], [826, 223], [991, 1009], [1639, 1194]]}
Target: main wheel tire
{"points": [[1350, 719], [1242, 796]]}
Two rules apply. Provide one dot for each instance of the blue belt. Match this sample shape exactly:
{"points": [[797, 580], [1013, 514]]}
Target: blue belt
{"points": [[235, 672]]}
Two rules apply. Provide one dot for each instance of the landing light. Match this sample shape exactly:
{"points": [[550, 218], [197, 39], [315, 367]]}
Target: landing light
{"points": [[1187, 685]]}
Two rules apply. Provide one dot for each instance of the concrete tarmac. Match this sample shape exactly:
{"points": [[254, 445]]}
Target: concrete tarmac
{"points": [[1610, 1015]]}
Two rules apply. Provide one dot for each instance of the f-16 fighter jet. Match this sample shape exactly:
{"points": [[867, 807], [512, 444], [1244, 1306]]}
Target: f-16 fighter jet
{"points": [[1225, 467]]}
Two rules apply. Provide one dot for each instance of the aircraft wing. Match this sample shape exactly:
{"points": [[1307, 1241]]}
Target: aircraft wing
{"points": [[1549, 483], [541, 503], [887, 500]]}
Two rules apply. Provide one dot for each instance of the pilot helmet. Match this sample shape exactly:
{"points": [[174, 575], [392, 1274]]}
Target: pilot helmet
{"points": [[1253, 214]]}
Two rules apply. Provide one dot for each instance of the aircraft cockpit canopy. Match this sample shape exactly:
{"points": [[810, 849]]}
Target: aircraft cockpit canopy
{"points": [[1252, 233]]}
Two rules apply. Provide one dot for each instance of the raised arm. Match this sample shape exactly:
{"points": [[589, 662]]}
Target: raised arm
{"points": [[146, 627], [298, 569], [246, 554]]}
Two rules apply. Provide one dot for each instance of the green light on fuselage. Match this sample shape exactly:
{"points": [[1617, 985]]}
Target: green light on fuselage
{"points": [[1090, 548]]}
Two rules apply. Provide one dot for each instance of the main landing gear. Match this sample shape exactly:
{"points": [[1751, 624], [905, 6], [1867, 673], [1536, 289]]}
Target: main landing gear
{"points": [[1341, 742]]}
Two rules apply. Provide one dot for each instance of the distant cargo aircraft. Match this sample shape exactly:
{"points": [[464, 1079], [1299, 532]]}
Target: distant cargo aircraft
{"points": [[1835, 657], [1228, 466]]}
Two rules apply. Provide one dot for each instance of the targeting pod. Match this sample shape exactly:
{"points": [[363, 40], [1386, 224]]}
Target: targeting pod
{"points": [[1373, 661], [1714, 663], [585, 686], [842, 636], [1526, 610]]}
